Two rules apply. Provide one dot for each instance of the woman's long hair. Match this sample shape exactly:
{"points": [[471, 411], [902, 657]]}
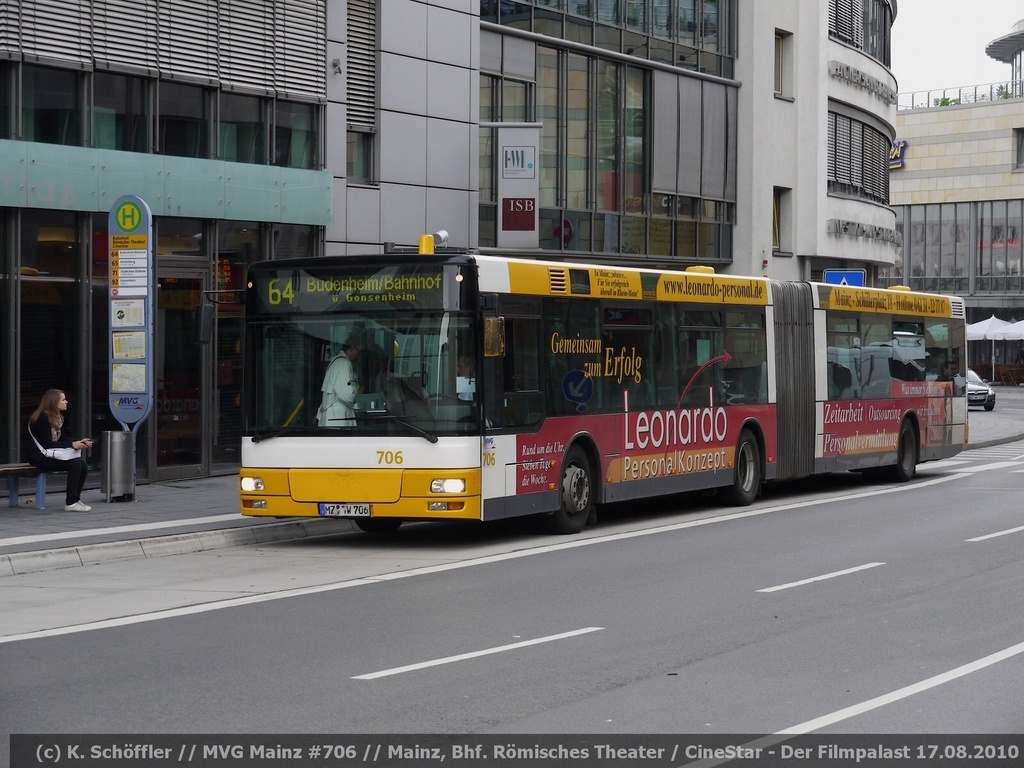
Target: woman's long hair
{"points": [[48, 405]]}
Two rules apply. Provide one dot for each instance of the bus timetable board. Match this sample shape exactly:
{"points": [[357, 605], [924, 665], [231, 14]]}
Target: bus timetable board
{"points": [[131, 349]]}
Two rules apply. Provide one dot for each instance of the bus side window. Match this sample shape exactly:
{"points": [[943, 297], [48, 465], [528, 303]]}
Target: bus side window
{"points": [[521, 401]]}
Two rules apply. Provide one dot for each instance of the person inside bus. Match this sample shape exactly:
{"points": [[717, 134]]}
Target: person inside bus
{"points": [[45, 426], [465, 382], [339, 388], [840, 382], [952, 373]]}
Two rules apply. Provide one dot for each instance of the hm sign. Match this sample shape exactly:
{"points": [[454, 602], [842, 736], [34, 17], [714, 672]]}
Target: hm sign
{"points": [[518, 162]]}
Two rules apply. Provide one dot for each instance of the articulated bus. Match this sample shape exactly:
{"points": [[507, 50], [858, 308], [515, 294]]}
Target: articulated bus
{"points": [[442, 384]]}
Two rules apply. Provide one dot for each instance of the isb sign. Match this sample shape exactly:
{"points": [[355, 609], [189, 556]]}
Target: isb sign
{"points": [[518, 214]]}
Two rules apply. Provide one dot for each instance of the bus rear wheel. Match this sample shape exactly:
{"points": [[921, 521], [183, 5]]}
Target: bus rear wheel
{"points": [[378, 525], [577, 496], [746, 483], [906, 455]]}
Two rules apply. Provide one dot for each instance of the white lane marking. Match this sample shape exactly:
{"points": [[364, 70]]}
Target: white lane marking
{"points": [[811, 580], [458, 565], [136, 528], [970, 469], [997, 533], [475, 654], [943, 464], [809, 726], [902, 693]]}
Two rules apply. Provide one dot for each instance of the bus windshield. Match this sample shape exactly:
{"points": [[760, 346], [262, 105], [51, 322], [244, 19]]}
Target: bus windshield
{"points": [[410, 373]]}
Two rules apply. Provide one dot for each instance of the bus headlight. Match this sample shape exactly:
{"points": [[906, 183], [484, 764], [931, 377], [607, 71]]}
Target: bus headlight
{"points": [[448, 485], [250, 484]]}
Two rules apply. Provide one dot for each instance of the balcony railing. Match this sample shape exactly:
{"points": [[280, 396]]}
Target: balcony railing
{"points": [[966, 94]]}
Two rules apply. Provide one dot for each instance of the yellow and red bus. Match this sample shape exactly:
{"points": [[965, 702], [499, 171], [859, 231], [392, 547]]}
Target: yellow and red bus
{"points": [[440, 384]]}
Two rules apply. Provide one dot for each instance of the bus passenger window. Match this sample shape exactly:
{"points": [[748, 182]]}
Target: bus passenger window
{"points": [[521, 399], [840, 382]]}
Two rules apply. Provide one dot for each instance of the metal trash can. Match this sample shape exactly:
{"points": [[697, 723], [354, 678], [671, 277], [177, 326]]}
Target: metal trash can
{"points": [[118, 478]]}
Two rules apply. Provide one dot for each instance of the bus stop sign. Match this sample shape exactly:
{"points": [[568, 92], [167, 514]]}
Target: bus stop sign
{"points": [[845, 276]]}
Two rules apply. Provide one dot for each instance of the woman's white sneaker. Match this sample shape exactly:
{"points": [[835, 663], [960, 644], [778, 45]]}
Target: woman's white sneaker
{"points": [[77, 507]]}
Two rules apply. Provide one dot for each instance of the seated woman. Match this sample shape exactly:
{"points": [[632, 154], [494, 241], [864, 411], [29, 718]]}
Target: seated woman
{"points": [[45, 426]]}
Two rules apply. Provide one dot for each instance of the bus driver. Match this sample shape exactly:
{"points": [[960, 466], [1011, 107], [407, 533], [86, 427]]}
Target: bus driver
{"points": [[340, 386]]}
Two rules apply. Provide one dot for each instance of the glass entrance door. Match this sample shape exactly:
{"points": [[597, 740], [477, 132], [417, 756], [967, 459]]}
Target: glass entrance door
{"points": [[178, 443]]}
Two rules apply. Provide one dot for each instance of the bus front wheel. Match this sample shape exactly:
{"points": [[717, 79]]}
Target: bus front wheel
{"points": [[746, 483], [906, 455], [577, 497]]}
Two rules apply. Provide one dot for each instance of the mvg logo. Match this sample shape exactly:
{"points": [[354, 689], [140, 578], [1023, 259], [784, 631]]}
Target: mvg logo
{"points": [[518, 162], [126, 401]]}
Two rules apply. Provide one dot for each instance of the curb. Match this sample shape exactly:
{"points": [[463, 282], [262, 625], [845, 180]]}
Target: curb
{"points": [[174, 544]]}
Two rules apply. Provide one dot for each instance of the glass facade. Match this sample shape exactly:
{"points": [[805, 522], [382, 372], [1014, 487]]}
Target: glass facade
{"points": [[698, 35], [597, 150], [58, 104], [56, 273], [968, 249]]}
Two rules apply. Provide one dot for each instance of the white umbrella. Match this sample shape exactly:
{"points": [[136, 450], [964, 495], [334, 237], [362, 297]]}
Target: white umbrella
{"points": [[984, 329], [1011, 332]]}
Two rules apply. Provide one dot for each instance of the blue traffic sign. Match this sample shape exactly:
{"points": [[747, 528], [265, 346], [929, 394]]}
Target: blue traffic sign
{"points": [[845, 276]]}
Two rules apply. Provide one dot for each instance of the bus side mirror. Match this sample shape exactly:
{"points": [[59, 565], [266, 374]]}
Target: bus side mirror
{"points": [[494, 337], [202, 331]]}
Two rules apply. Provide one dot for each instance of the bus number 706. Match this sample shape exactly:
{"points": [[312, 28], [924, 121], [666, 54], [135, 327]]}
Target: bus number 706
{"points": [[389, 457]]}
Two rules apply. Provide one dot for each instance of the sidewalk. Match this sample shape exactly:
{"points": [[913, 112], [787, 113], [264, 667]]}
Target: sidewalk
{"points": [[163, 519], [202, 514]]}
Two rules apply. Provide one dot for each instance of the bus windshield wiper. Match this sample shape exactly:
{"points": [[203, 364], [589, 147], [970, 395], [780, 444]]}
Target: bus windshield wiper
{"points": [[428, 436], [257, 436]]}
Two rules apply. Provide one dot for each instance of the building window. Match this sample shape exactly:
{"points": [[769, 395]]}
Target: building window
{"points": [[242, 129], [1018, 139], [296, 137], [52, 105], [783, 63], [6, 99], [184, 120], [361, 82], [781, 221], [120, 112], [864, 24], [52, 292], [359, 153], [858, 159]]}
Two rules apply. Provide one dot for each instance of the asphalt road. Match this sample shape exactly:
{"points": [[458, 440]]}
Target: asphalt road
{"points": [[845, 607]]}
